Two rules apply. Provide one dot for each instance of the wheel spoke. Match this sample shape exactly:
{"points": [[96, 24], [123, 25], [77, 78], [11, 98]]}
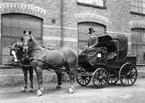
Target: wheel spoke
{"points": [[81, 80], [103, 81], [131, 80], [83, 77], [84, 82], [127, 81]]}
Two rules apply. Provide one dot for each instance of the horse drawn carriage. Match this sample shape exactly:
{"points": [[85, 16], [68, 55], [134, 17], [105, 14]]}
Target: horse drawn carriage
{"points": [[107, 63]]}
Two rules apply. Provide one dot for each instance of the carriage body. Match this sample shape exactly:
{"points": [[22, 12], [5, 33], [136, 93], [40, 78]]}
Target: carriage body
{"points": [[110, 59]]}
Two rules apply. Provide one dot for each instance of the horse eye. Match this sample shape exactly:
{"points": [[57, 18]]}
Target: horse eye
{"points": [[21, 39], [30, 39]]}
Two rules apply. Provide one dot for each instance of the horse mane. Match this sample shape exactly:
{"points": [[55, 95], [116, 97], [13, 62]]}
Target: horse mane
{"points": [[16, 45], [19, 44], [36, 45]]}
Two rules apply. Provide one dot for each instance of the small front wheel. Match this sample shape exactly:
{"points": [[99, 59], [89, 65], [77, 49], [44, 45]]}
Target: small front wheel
{"points": [[100, 76], [83, 77]]}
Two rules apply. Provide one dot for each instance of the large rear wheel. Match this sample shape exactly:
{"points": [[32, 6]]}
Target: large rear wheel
{"points": [[128, 74]]}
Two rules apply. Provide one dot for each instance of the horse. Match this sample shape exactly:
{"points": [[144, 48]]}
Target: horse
{"points": [[63, 59], [16, 50]]}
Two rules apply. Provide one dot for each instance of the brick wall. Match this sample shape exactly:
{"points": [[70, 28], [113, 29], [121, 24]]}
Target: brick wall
{"points": [[116, 17]]}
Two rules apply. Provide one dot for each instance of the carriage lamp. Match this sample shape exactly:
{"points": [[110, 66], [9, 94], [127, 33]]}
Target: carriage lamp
{"points": [[99, 55]]}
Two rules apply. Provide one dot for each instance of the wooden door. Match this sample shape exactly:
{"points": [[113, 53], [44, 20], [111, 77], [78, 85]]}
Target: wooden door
{"points": [[13, 26]]}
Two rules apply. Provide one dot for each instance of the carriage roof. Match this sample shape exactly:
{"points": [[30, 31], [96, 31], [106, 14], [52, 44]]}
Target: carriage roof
{"points": [[114, 43]]}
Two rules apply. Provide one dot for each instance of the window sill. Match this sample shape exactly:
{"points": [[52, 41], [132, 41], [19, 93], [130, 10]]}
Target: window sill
{"points": [[91, 5], [137, 13]]}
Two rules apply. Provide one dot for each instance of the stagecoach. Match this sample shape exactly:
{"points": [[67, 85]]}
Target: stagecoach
{"points": [[107, 63]]}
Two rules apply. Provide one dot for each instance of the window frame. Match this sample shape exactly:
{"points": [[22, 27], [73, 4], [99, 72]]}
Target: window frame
{"points": [[138, 9], [138, 43]]}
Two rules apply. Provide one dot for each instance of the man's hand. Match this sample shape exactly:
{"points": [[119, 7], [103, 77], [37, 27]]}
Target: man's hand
{"points": [[90, 47]]}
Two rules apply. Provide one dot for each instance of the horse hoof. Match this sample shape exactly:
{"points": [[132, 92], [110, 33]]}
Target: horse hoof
{"points": [[41, 89], [39, 93], [31, 90], [23, 89], [58, 87], [71, 90]]}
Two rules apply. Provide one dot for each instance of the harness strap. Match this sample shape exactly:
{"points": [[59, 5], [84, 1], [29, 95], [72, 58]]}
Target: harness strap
{"points": [[50, 65]]}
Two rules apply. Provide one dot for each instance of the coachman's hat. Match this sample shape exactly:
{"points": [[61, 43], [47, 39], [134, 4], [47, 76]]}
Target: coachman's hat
{"points": [[91, 30]]}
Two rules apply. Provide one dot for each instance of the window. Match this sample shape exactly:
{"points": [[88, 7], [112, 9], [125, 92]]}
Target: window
{"points": [[12, 30], [138, 44], [93, 3], [138, 6]]}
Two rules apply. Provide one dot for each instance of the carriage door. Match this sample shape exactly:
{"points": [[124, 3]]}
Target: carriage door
{"points": [[83, 30], [12, 30]]}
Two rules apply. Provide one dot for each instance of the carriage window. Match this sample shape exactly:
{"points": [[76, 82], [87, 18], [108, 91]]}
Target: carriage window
{"points": [[138, 44], [138, 6], [12, 29]]}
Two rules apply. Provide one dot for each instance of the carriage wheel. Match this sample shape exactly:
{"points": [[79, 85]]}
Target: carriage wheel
{"points": [[128, 74], [100, 77], [83, 78], [112, 79]]}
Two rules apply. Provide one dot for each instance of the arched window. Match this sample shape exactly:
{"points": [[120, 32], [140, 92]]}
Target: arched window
{"points": [[12, 29], [138, 44], [83, 30]]}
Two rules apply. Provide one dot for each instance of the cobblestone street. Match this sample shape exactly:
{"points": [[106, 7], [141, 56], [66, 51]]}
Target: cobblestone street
{"points": [[109, 94]]}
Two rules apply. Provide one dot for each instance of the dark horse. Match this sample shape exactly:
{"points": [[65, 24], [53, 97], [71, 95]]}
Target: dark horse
{"points": [[41, 58], [16, 50]]}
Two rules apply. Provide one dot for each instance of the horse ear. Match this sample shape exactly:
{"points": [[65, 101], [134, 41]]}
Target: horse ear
{"points": [[10, 46], [30, 32], [24, 32]]}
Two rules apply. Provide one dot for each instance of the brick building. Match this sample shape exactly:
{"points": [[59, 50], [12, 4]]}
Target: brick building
{"points": [[57, 23]]}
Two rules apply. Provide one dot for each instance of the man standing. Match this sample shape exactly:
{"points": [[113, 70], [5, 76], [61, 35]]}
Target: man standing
{"points": [[93, 40]]}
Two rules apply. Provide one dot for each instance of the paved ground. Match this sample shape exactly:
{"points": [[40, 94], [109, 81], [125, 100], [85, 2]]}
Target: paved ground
{"points": [[109, 94]]}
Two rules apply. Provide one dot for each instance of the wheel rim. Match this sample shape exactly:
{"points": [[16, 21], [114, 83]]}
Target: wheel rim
{"points": [[83, 79], [128, 75], [100, 77]]}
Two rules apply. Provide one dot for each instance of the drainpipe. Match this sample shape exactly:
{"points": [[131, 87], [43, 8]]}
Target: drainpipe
{"points": [[61, 23]]}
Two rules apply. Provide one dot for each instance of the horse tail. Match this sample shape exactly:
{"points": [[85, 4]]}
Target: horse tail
{"points": [[75, 62], [71, 59]]}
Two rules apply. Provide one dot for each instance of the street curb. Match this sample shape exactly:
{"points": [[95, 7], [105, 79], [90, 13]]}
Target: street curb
{"points": [[10, 78]]}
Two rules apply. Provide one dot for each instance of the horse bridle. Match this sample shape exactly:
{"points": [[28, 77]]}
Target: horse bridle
{"points": [[28, 47]]}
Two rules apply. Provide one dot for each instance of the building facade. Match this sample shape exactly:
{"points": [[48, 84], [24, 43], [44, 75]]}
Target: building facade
{"points": [[57, 23]]}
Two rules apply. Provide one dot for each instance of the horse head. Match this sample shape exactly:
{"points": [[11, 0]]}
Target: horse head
{"points": [[15, 51], [26, 41]]}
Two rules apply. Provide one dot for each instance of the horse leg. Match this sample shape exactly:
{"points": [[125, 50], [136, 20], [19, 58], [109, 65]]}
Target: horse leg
{"points": [[31, 78], [25, 79], [39, 79], [59, 76], [71, 72]]}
